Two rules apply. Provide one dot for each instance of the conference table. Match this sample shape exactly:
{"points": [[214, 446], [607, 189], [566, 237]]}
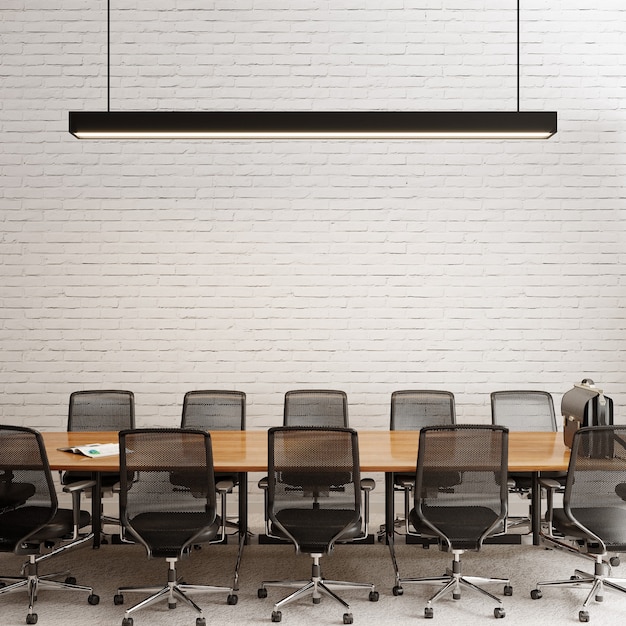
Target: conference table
{"points": [[385, 451]]}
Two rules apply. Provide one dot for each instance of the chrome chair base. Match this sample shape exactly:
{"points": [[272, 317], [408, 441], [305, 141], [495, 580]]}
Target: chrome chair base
{"points": [[597, 582], [453, 581], [33, 582], [317, 587], [174, 591]]}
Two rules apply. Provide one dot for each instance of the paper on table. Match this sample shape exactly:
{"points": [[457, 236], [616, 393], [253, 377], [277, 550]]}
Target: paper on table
{"points": [[94, 450]]}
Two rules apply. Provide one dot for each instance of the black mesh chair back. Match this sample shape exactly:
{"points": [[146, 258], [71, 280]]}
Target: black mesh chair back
{"points": [[28, 498], [595, 491], [325, 407], [167, 518], [464, 513], [214, 410], [412, 410], [314, 495], [523, 410], [101, 410]]}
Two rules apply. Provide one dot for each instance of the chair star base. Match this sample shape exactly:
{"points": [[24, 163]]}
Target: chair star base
{"points": [[597, 582], [453, 581], [174, 591], [34, 582], [317, 587]]}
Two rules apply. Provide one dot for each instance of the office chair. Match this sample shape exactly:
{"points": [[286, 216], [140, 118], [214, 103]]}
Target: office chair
{"points": [[168, 519], [412, 410], [594, 511], [30, 519], [96, 410], [525, 410], [314, 500], [218, 410], [316, 407], [463, 514]]}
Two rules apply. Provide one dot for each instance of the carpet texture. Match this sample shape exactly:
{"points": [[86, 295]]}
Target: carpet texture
{"points": [[115, 565]]}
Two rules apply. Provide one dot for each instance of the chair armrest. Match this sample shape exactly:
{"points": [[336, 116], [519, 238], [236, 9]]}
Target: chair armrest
{"points": [[76, 489], [551, 486], [549, 483], [406, 483], [81, 485], [368, 484], [264, 484], [224, 486]]}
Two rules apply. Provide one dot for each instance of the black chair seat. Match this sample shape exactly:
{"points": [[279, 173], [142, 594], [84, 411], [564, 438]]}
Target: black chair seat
{"points": [[15, 524], [165, 533], [606, 522], [465, 536], [314, 529], [14, 494]]}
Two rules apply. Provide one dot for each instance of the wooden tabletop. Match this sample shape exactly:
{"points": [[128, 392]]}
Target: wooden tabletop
{"points": [[380, 451]]}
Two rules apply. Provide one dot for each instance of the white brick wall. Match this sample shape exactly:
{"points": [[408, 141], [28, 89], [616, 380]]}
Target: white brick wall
{"points": [[162, 267]]}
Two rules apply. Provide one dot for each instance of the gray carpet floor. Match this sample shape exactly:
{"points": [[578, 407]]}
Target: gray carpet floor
{"points": [[114, 565]]}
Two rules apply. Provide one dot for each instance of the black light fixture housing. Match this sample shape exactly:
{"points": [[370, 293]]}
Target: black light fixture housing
{"points": [[247, 125], [312, 125]]}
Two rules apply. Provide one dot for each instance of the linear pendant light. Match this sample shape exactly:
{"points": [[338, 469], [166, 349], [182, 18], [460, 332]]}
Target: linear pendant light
{"points": [[312, 125], [260, 125]]}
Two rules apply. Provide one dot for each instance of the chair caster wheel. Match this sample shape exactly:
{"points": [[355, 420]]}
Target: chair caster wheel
{"points": [[31, 618], [118, 599], [70, 580], [127, 621], [535, 594], [347, 618], [316, 600], [276, 616], [583, 616], [614, 561], [428, 613], [456, 596], [261, 593], [232, 599], [374, 595], [93, 599], [200, 621], [499, 613], [508, 590], [397, 590], [171, 605]]}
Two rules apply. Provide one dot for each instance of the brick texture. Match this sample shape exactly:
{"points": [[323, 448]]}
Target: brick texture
{"points": [[368, 267]]}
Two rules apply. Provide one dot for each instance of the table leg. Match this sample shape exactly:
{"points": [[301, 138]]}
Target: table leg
{"points": [[389, 507], [535, 508], [96, 510], [243, 524]]}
